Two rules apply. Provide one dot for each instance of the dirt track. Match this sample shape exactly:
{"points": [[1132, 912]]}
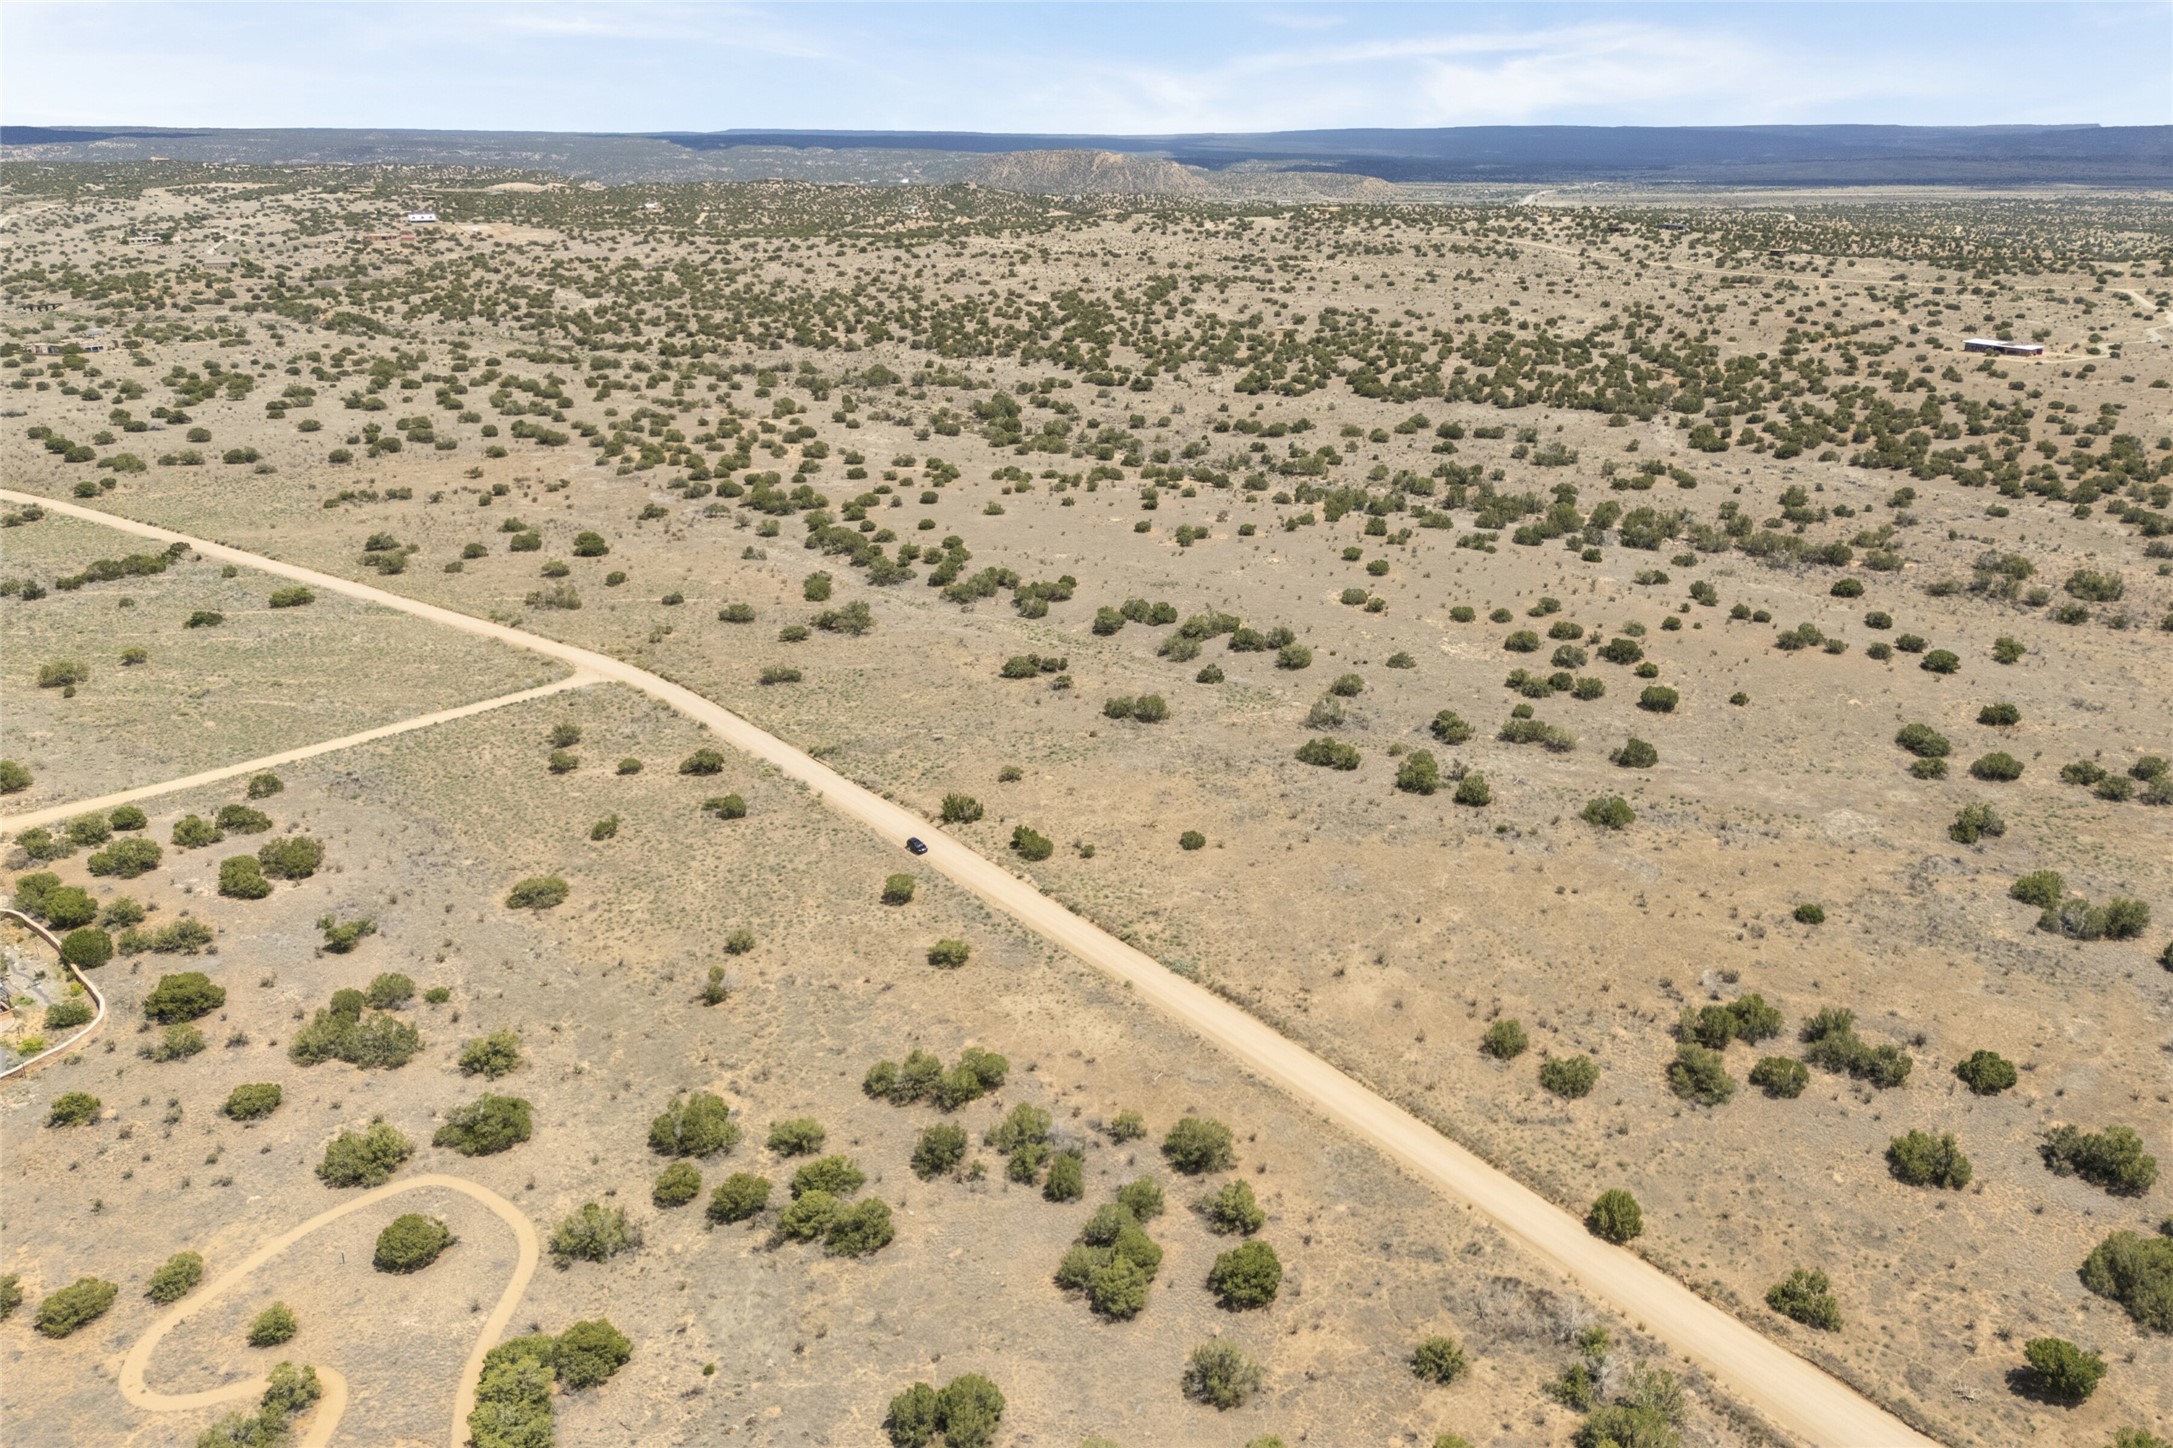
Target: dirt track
{"points": [[324, 1418], [53, 814], [1791, 1393]]}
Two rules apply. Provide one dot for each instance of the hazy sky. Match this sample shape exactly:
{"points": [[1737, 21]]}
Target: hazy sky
{"points": [[1122, 68]]}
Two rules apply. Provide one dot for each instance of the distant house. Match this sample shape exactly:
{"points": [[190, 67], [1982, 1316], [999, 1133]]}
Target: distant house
{"points": [[2003, 349], [420, 218]]}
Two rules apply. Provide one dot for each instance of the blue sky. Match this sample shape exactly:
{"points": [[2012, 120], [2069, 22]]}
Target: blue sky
{"points": [[1111, 68]]}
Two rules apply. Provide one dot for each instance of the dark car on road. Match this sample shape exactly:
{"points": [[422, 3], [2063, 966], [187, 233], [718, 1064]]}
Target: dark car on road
{"points": [[916, 846]]}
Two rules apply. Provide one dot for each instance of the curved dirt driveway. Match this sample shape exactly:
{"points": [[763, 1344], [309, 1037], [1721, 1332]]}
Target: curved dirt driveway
{"points": [[1794, 1395], [324, 1418]]}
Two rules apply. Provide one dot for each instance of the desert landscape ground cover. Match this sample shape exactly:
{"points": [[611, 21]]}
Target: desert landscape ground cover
{"points": [[1550, 661]]}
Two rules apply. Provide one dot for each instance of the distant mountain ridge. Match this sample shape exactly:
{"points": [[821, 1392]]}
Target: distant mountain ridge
{"points": [[1204, 164]]}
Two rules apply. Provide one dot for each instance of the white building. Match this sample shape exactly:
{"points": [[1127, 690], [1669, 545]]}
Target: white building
{"points": [[2003, 349], [420, 218]]}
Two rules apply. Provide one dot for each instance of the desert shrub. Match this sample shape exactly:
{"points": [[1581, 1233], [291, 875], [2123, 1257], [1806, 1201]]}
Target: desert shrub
{"points": [[292, 857], [949, 954], [2096, 587], [1999, 715], [1635, 753], [252, 1101], [537, 892], [1919, 1159], [1218, 1374], [563, 761], [738, 1197], [798, 1136], [592, 1234], [698, 1124], [1419, 773], [264, 786], [1449, 729], [1974, 822], [1833, 1045], [2042, 888], [726, 807], [1923, 741], [128, 817], [1191, 840], [343, 1033], [676, 1185], [1701, 1075], [240, 878], [14, 777], [82, 1302], [940, 1149], [1196, 1145], [175, 1278], [1658, 699], [1940, 661], [342, 936], [176, 1043], [194, 831], [1233, 1209], [1987, 1073], [1810, 913], [1472, 790], [1780, 1077], [488, 1125], [67, 1014], [126, 859], [410, 1243], [73, 1108], [2061, 1371], [1615, 1217], [1066, 1181], [86, 948], [779, 674], [1030, 844], [898, 890], [1504, 1040], [836, 1175], [1569, 1077], [807, 1217], [1126, 1126], [64, 907], [1997, 767], [1609, 812], [183, 997], [2112, 1159], [491, 1056], [11, 1294], [960, 809], [858, 1229], [1328, 753], [1438, 1360], [240, 819], [1247, 1276], [365, 1158], [273, 1326], [587, 1354], [1808, 1298], [2136, 1272]]}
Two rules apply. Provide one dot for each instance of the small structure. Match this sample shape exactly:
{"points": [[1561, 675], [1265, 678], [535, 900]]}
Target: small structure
{"points": [[2003, 349], [420, 218]]}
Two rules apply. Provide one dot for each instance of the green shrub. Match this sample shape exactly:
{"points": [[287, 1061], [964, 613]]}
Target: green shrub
{"points": [[177, 1042], [2044, 889], [1611, 812], [68, 908], [11, 1294], [726, 807], [1327, 753], [1940, 661], [960, 809], [940, 1149], [1419, 773], [1472, 790], [807, 1217], [798, 1136], [365, 1158], [273, 1326], [858, 1229], [2112, 1159], [2136, 1272], [240, 878], [291, 857], [949, 954], [85, 948], [1066, 1181], [738, 1197], [1191, 840], [1999, 715], [592, 1234], [1974, 822], [1247, 1276], [1569, 1077], [1987, 1073], [1923, 741], [1635, 754], [183, 997], [698, 1124], [1450, 729], [194, 832], [487, 1126], [1438, 1360], [67, 1014], [14, 777], [1808, 1298], [1998, 767], [702, 762], [410, 1243], [73, 1108], [1833, 1045], [537, 892], [1030, 845], [1658, 699], [253, 1101], [1919, 1159], [175, 1278], [1615, 1217], [1810, 913], [898, 890], [1700, 1075], [676, 1185], [2061, 1371], [80, 1303], [126, 859], [240, 819], [1780, 1077], [1196, 1145], [342, 936], [1504, 1040], [1218, 1374], [491, 1056], [836, 1175]]}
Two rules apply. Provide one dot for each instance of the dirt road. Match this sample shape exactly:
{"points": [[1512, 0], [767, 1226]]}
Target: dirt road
{"points": [[1792, 1394], [53, 814], [324, 1418]]}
